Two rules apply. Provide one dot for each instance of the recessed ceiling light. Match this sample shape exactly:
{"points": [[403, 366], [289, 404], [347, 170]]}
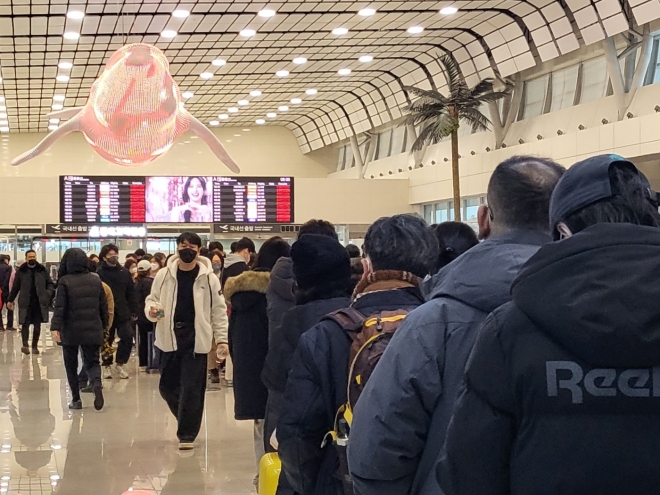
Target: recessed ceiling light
{"points": [[300, 60], [62, 78], [260, 121], [4, 122], [57, 106], [232, 109], [219, 62], [75, 14], [223, 116], [267, 13], [246, 130], [237, 135], [283, 108], [71, 35], [2, 99], [271, 115], [214, 122], [339, 31], [243, 102], [311, 91], [255, 93], [168, 33], [3, 116], [448, 10], [4, 129], [296, 101], [247, 33], [367, 12], [56, 98], [206, 75], [65, 65], [3, 108], [187, 94], [344, 72], [52, 127], [365, 59], [54, 121], [282, 73], [415, 29], [181, 13]]}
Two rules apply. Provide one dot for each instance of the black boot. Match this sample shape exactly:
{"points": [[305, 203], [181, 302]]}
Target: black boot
{"points": [[99, 401]]}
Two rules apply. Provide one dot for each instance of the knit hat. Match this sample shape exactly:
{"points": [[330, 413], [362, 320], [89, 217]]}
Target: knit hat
{"points": [[317, 259], [144, 266]]}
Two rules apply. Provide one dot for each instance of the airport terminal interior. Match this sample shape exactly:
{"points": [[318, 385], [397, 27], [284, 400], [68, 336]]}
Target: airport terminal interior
{"points": [[128, 122]]}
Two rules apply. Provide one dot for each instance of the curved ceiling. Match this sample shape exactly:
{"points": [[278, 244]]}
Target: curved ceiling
{"points": [[506, 36]]}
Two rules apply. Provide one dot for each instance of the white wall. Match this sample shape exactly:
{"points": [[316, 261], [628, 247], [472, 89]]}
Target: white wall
{"points": [[35, 200], [261, 151]]}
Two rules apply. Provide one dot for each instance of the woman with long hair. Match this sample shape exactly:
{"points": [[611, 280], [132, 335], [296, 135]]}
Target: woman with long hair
{"points": [[195, 207]]}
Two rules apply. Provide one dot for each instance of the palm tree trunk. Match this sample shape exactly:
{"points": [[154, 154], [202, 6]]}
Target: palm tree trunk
{"points": [[455, 175]]}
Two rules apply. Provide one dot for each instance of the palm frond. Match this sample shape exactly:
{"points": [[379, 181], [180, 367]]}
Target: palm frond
{"points": [[493, 96], [475, 118], [452, 73], [482, 87], [427, 94]]}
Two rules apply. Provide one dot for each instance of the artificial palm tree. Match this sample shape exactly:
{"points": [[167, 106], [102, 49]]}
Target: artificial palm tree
{"points": [[440, 116]]}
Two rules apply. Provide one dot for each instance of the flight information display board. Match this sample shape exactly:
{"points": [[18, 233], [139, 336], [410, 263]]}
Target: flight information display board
{"points": [[102, 199], [252, 200]]}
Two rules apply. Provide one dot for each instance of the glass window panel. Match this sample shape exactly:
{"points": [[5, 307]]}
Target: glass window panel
{"points": [[594, 80], [535, 92], [564, 84], [384, 139], [398, 137], [470, 210], [441, 213], [428, 213]]}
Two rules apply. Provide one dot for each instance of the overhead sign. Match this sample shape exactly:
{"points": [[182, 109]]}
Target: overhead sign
{"points": [[254, 228], [97, 231]]}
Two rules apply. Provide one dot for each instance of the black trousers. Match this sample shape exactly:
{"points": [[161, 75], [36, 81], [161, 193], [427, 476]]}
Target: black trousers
{"points": [[91, 364], [143, 341], [124, 331], [183, 386], [34, 319]]}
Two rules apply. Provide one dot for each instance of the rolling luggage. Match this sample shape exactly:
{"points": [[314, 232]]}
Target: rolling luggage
{"points": [[270, 467], [153, 353]]}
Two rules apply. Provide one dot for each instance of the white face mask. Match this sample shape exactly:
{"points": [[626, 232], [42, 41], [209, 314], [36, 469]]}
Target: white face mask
{"points": [[133, 270], [154, 266]]}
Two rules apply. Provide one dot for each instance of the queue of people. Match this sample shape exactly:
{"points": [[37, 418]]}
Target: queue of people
{"points": [[522, 358]]}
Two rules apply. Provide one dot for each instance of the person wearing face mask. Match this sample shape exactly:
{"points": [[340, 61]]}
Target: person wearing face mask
{"points": [[36, 290], [189, 310], [237, 261], [144, 326], [126, 306], [131, 266]]}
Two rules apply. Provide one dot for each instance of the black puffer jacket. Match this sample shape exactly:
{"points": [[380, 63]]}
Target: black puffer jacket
{"points": [[5, 276], [143, 288], [23, 284], [81, 308], [123, 289], [562, 390], [248, 341], [280, 294]]}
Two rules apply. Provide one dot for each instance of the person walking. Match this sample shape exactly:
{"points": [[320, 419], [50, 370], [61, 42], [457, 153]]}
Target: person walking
{"points": [[189, 310], [248, 337], [126, 307], [36, 294], [144, 325], [10, 313], [81, 314], [5, 276]]}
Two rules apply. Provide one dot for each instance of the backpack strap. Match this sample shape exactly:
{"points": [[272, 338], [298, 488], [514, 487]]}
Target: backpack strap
{"points": [[349, 319]]}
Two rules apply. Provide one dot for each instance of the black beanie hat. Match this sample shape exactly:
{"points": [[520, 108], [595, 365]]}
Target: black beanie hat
{"points": [[317, 259]]}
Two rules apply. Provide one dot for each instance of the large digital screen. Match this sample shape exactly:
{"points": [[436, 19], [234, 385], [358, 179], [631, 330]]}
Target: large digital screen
{"points": [[101, 199], [194, 199]]}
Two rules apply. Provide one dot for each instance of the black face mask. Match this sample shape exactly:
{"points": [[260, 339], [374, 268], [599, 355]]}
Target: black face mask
{"points": [[32, 263], [187, 255]]}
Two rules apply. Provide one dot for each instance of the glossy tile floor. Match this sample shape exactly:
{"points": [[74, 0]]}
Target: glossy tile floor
{"points": [[129, 447]]}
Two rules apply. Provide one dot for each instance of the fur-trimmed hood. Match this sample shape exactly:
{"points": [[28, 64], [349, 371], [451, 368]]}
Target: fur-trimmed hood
{"points": [[251, 281]]}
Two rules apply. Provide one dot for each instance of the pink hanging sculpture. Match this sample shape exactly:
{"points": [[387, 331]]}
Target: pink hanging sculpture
{"points": [[133, 114]]}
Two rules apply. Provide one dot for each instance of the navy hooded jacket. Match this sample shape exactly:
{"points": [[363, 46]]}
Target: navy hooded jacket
{"points": [[401, 418]]}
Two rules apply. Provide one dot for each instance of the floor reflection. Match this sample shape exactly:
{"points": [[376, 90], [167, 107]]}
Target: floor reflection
{"points": [[128, 448]]}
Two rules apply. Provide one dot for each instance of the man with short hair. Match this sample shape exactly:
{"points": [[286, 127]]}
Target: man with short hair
{"points": [[317, 383], [139, 254], [189, 310], [131, 256], [561, 390], [400, 422], [237, 261], [36, 294], [126, 307]]}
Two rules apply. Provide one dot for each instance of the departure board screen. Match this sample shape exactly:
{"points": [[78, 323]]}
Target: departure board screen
{"points": [[252, 199], [102, 199]]}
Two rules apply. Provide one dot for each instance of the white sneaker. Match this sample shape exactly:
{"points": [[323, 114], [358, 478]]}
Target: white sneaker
{"points": [[121, 372], [107, 373]]}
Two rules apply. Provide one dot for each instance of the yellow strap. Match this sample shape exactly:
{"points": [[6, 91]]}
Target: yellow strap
{"points": [[348, 415], [387, 319]]}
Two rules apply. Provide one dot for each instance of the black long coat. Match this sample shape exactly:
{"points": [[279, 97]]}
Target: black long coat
{"points": [[248, 341], [23, 284]]}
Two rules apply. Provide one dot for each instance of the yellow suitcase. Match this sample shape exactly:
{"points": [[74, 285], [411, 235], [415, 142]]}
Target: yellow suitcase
{"points": [[270, 467]]}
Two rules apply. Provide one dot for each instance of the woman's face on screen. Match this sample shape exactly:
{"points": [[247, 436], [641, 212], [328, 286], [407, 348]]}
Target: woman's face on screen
{"points": [[195, 191]]}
